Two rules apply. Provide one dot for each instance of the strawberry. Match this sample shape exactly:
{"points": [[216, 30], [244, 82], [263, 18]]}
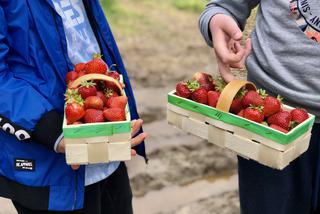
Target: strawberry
{"points": [[87, 89], [282, 119], [74, 112], [182, 90], [80, 67], [271, 105], [110, 93], [241, 113], [205, 80], [236, 105], [213, 97], [299, 115], [117, 102], [276, 127], [71, 76], [81, 73], [115, 75], [77, 123], [96, 66], [251, 98], [254, 113], [103, 97], [200, 95], [94, 102], [112, 86], [115, 114], [93, 116]]}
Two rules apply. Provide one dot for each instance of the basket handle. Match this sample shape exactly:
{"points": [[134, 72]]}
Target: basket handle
{"points": [[88, 77], [230, 91]]}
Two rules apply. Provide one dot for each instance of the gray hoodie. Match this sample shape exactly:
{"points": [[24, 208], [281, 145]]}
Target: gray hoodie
{"points": [[286, 54]]}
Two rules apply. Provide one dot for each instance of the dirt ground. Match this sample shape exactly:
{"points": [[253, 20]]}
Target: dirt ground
{"points": [[161, 45]]}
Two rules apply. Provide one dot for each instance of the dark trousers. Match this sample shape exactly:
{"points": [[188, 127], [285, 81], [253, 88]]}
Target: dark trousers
{"points": [[110, 196], [268, 191]]}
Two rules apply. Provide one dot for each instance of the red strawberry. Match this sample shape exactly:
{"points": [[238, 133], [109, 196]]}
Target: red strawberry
{"points": [[112, 86], [213, 97], [71, 76], [96, 66], [183, 90], [74, 112], [87, 89], [103, 97], [93, 102], [115, 75], [110, 93], [299, 115], [93, 116], [117, 102], [272, 105], [77, 123], [200, 95], [205, 80], [81, 73], [236, 106], [276, 127], [254, 113], [282, 119], [115, 114], [80, 67], [251, 98], [241, 113]]}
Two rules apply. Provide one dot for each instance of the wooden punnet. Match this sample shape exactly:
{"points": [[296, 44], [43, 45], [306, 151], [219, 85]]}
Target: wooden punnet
{"points": [[248, 139], [97, 142]]}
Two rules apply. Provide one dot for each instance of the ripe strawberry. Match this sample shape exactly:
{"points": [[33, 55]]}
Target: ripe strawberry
{"points": [[103, 97], [80, 67], [112, 86], [213, 97], [254, 113], [71, 76], [276, 127], [117, 102], [236, 105], [74, 112], [110, 93], [251, 98], [93, 116], [282, 119], [93, 102], [241, 113], [183, 90], [200, 95], [271, 105], [205, 80], [115, 114], [96, 66], [115, 75], [299, 115], [87, 89], [81, 73]]}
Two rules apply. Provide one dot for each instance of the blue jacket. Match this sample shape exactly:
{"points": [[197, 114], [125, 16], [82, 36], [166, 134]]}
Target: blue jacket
{"points": [[33, 66]]}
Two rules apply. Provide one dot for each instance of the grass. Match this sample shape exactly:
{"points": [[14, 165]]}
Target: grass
{"points": [[189, 5]]}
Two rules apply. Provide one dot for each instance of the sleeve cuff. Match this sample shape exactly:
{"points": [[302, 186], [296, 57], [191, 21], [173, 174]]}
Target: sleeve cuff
{"points": [[55, 147], [49, 129], [205, 18]]}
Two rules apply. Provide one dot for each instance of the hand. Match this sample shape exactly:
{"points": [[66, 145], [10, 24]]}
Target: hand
{"points": [[135, 127], [226, 36], [136, 140]]}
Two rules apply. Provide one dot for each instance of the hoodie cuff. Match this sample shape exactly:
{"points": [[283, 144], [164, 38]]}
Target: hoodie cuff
{"points": [[48, 129]]}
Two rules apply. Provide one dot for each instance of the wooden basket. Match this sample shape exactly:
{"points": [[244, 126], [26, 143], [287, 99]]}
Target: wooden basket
{"points": [[98, 142], [248, 139]]}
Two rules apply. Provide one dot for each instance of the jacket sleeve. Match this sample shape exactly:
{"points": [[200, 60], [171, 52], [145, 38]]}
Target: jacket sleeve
{"points": [[24, 112], [238, 9]]}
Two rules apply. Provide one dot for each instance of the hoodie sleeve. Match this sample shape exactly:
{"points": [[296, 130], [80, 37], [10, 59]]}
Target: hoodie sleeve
{"points": [[238, 9], [24, 112]]}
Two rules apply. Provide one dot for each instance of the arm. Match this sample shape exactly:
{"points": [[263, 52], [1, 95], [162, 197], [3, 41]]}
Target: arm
{"points": [[24, 112], [237, 9]]}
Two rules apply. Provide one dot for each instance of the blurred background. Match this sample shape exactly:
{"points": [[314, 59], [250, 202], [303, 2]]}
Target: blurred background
{"points": [[161, 45]]}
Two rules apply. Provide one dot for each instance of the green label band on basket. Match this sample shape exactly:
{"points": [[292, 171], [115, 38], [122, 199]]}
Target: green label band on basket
{"points": [[231, 119], [95, 130]]}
